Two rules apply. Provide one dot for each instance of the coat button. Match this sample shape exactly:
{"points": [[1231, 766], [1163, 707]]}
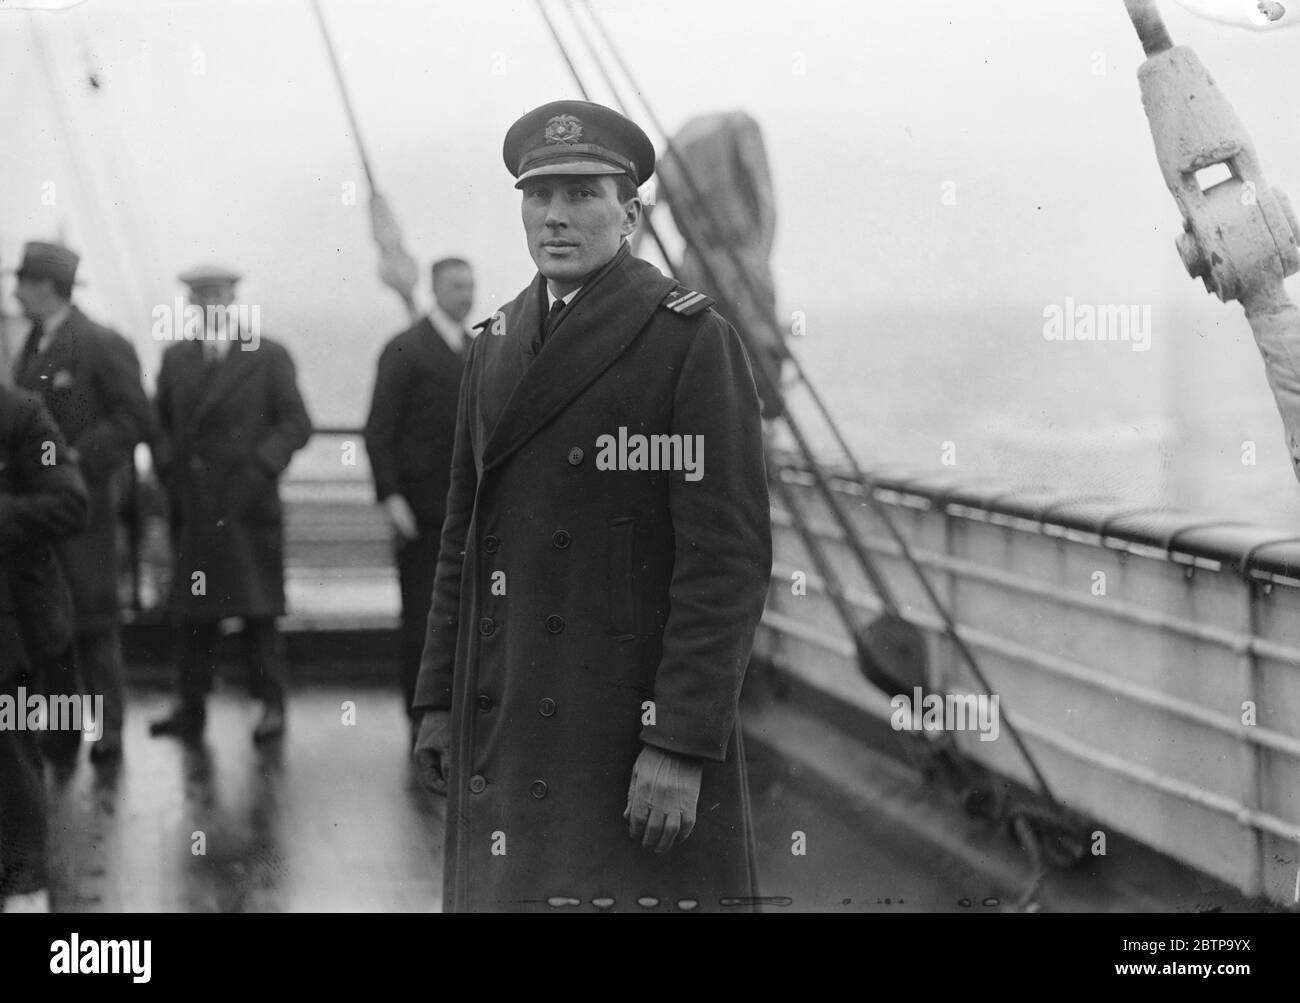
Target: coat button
{"points": [[491, 544], [484, 702], [555, 624], [538, 789], [560, 539], [575, 456], [487, 626], [547, 707], [477, 784]]}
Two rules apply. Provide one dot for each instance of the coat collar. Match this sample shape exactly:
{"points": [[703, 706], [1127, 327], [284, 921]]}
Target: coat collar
{"points": [[599, 325], [432, 345], [60, 353], [230, 372]]}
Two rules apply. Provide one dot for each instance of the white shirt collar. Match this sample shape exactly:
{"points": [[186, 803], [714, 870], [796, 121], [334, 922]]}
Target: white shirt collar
{"points": [[214, 346], [51, 324], [551, 297], [452, 333]]}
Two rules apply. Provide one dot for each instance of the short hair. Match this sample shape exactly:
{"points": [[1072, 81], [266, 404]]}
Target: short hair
{"points": [[442, 264], [625, 188]]}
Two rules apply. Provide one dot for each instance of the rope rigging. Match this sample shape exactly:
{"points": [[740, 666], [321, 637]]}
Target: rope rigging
{"points": [[891, 650]]}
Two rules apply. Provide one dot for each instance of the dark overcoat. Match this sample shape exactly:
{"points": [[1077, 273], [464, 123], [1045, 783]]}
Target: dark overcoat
{"points": [[89, 379], [224, 438], [412, 423], [580, 612], [42, 500]]}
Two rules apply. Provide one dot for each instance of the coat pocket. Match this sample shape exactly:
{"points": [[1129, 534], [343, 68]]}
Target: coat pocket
{"points": [[623, 606]]}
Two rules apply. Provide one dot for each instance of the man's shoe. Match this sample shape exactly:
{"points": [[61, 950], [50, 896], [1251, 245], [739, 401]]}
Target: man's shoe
{"points": [[271, 726], [183, 722], [108, 749]]}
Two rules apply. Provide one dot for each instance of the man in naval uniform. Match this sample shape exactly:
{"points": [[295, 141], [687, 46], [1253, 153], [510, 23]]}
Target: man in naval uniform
{"points": [[89, 378], [604, 564], [230, 419], [409, 437]]}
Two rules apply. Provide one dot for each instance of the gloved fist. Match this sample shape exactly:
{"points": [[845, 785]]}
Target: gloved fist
{"points": [[432, 752], [661, 798]]}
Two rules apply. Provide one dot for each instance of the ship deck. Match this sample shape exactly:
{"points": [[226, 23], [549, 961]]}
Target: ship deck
{"points": [[332, 819]]}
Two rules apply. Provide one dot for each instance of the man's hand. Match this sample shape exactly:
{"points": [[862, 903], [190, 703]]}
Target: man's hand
{"points": [[432, 751], [661, 798], [400, 517]]}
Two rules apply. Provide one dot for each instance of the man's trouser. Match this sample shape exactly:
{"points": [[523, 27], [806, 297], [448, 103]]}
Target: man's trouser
{"points": [[197, 660], [417, 565], [22, 801]]}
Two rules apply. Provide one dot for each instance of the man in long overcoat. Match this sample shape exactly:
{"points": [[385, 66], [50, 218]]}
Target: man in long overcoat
{"points": [[89, 378], [42, 500], [604, 565], [230, 418]]}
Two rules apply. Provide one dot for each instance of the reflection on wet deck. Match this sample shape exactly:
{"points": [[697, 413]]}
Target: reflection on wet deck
{"points": [[332, 819], [329, 819]]}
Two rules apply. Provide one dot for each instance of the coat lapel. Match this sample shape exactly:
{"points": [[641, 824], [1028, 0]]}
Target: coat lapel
{"points": [[231, 371], [434, 348], [62, 353], [604, 319]]}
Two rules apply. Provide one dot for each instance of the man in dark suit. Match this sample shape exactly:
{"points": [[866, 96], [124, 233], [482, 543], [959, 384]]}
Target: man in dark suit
{"points": [[89, 379], [230, 418], [409, 437], [601, 574], [42, 499]]}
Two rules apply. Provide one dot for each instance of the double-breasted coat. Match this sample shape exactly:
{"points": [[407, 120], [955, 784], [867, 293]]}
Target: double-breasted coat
{"points": [[226, 433], [584, 608], [89, 378]]}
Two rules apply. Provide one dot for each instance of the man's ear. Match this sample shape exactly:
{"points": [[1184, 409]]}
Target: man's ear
{"points": [[632, 210]]}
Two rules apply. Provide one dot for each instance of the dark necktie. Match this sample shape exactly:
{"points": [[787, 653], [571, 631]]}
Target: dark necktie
{"points": [[31, 349], [552, 319]]}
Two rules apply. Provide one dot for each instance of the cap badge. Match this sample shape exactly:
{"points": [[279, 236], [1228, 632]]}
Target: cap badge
{"points": [[563, 129]]}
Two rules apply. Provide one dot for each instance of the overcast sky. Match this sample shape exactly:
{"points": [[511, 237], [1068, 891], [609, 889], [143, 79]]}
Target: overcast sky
{"points": [[216, 133]]}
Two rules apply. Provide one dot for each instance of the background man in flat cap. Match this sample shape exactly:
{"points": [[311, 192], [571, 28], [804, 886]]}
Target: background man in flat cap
{"points": [[593, 613], [409, 437], [89, 378], [230, 419]]}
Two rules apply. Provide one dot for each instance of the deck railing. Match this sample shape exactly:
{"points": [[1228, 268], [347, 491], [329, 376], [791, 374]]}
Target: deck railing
{"points": [[1150, 657]]}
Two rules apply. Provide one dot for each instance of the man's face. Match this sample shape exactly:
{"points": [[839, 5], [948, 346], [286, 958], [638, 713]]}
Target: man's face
{"points": [[574, 225], [454, 291], [213, 295], [37, 298]]}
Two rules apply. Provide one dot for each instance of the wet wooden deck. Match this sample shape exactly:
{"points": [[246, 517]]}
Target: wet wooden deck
{"points": [[331, 819]]}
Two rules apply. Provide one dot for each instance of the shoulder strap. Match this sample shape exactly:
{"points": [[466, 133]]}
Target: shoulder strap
{"points": [[686, 302]]}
